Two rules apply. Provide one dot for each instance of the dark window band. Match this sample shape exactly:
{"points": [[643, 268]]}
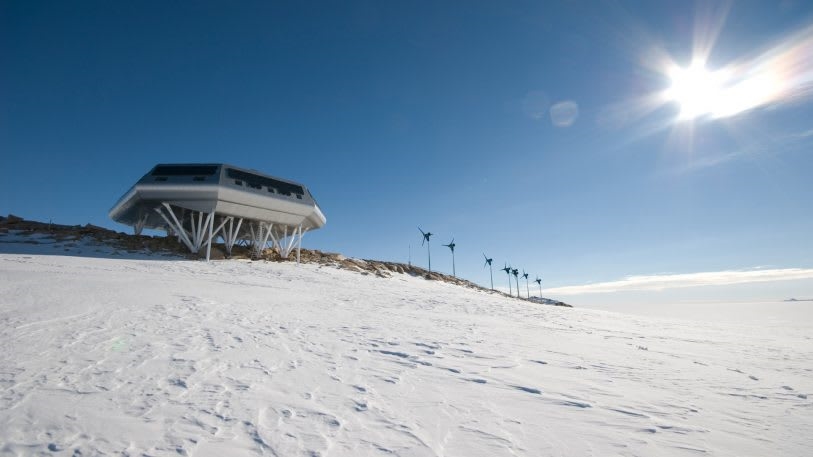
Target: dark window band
{"points": [[184, 170], [257, 182]]}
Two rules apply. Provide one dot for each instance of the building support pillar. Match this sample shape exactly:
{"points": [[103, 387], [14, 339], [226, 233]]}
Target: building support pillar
{"points": [[285, 243], [201, 231], [259, 237], [140, 223], [231, 234]]}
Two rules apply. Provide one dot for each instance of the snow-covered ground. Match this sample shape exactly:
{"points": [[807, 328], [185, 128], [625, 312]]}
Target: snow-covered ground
{"points": [[102, 356]]}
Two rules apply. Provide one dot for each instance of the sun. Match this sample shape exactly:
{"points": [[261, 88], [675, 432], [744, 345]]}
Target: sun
{"points": [[698, 91], [717, 94]]}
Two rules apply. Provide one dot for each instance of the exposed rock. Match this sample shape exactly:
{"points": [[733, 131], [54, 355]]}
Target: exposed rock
{"points": [[90, 228], [216, 254], [353, 267]]}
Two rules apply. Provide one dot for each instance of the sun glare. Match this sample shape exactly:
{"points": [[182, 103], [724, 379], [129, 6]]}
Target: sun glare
{"points": [[703, 93], [696, 90], [780, 74]]}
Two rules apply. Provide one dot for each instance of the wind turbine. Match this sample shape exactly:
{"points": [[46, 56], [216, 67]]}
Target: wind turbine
{"points": [[451, 246], [525, 275], [426, 236], [507, 271], [490, 272], [515, 272], [539, 281]]}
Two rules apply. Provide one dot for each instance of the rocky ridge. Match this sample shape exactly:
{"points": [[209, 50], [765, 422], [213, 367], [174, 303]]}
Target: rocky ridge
{"points": [[127, 243]]}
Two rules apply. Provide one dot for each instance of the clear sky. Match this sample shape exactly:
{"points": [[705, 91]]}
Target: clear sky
{"points": [[584, 142]]}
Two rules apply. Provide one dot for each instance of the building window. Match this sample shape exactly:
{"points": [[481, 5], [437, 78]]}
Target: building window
{"points": [[160, 178], [199, 178], [238, 182]]}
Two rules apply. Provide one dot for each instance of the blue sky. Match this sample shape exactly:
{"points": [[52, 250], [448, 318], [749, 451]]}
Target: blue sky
{"points": [[525, 130]]}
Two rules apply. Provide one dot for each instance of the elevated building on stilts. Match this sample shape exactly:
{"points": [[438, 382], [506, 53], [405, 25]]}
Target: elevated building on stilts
{"points": [[201, 203]]}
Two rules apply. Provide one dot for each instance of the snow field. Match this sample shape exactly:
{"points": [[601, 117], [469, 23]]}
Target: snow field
{"points": [[169, 357]]}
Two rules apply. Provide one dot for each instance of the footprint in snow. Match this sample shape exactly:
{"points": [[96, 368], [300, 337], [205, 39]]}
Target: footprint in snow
{"points": [[578, 404], [403, 355], [628, 413], [530, 390], [428, 346], [360, 405], [178, 382]]}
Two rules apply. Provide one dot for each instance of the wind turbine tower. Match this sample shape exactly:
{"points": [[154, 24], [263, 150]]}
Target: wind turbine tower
{"points": [[527, 289], [426, 236], [515, 272], [451, 246], [507, 271], [490, 272], [539, 281]]}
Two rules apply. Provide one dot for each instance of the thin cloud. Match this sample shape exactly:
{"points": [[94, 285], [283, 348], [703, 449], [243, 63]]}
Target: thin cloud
{"points": [[671, 281], [706, 162], [805, 134]]}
